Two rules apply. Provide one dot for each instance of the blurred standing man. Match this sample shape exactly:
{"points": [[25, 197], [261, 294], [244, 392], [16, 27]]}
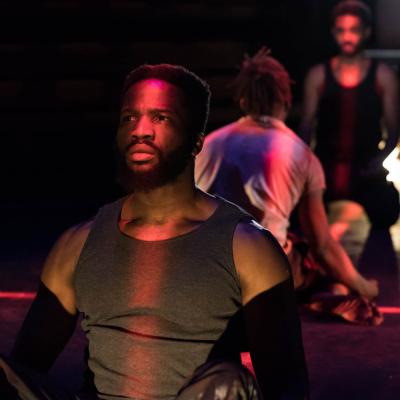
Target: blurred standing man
{"points": [[348, 97]]}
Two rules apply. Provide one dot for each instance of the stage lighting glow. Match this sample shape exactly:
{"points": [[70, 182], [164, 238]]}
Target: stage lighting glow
{"points": [[392, 164]]}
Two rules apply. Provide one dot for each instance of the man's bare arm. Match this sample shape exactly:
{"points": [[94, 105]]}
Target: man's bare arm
{"points": [[52, 317], [311, 93], [259, 260], [272, 323], [326, 250], [389, 84], [59, 268]]}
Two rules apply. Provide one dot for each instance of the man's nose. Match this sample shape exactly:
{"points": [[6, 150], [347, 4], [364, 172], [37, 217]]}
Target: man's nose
{"points": [[143, 129], [347, 35]]}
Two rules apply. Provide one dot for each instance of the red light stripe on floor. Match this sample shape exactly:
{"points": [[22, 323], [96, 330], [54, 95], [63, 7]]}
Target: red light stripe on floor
{"points": [[389, 310], [17, 295], [31, 295]]}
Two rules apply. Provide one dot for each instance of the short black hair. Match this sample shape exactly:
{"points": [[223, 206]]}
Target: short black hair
{"points": [[352, 7], [262, 83], [196, 91]]}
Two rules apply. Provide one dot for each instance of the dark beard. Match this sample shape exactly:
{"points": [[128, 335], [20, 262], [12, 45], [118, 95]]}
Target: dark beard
{"points": [[167, 170], [358, 48]]}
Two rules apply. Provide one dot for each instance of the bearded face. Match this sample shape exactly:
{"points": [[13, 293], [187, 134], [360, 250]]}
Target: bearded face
{"points": [[350, 34], [167, 168], [152, 142]]}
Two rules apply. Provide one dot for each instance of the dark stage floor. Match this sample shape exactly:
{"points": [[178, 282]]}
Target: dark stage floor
{"points": [[345, 361]]}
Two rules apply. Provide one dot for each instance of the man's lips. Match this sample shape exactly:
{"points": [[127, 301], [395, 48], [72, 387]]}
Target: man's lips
{"points": [[140, 152], [347, 45]]}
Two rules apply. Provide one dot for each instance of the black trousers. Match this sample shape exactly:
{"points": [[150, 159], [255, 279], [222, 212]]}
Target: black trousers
{"points": [[216, 380]]}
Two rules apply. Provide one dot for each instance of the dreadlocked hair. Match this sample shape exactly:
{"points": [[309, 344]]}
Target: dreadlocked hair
{"points": [[262, 84]]}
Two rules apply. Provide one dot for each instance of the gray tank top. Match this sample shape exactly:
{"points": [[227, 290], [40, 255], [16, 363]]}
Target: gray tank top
{"points": [[154, 311]]}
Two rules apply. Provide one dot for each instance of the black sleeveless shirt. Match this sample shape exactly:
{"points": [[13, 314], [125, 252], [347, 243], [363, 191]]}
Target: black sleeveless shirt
{"points": [[349, 120]]}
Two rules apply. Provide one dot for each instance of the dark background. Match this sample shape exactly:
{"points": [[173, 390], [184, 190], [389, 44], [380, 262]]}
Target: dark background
{"points": [[61, 69]]}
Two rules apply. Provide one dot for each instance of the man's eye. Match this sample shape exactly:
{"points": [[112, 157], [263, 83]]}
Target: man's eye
{"points": [[128, 118], [160, 118]]}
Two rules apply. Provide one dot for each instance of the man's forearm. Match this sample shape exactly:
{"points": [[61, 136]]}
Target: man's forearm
{"points": [[275, 343], [337, 264], [44, 332]]}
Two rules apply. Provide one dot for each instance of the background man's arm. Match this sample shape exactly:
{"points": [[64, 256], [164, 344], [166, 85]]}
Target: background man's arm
{"points": [[390, 101], [271, 318], [326, 250], [311, 93], [52, 317]]}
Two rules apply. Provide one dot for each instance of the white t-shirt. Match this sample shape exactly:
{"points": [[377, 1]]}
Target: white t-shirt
{"points": [[261, 165]]}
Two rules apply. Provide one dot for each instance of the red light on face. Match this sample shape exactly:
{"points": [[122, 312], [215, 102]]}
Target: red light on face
{"points": [[349, 33], [156, 83]]}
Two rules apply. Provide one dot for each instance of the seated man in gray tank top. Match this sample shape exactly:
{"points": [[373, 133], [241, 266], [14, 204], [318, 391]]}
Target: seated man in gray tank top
{"points": [[173, 283]]}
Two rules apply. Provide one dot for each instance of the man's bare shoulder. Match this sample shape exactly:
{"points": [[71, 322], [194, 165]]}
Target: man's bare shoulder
{"points": [[251, 232], [315, 75], [73, 239], [254, 241], [386, 75], [63, 257], [259, 259]]}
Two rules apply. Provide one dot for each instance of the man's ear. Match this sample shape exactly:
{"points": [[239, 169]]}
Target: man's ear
{"points": [[199, 144]]}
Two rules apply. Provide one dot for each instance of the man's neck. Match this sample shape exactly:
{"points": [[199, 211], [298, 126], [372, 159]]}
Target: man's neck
{"points": [[166, 212], [354, 59], [279, 112], [162, 203], [163, 200]]}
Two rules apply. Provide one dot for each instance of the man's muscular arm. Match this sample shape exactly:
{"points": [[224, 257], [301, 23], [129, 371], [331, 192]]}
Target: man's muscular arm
{"points": [[389, 84], [51, 319], [272, 323], [59, 268], [311, 93]]}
